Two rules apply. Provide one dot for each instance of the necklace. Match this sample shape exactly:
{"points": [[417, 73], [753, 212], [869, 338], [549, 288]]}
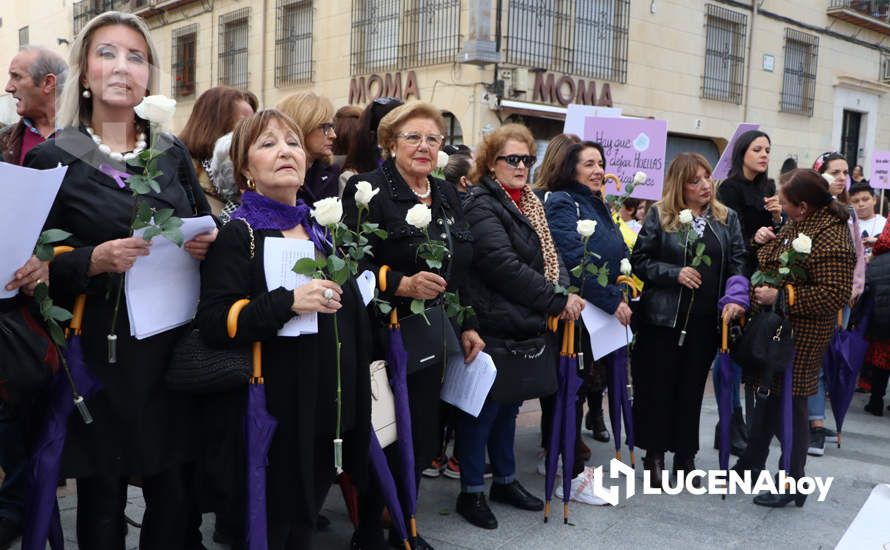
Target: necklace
{"points": [[119, 157], [425, 195]]}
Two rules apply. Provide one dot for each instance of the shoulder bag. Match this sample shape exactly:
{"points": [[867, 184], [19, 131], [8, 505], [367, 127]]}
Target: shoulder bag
{"points": [[765, 347], [200, 369], [383, 408], [526, 368]]}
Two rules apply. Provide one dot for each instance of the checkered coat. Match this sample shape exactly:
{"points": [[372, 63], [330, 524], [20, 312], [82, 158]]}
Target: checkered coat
{"points": [[828, 287]]}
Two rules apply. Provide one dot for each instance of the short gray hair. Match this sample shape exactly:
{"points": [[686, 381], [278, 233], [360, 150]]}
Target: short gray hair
{"points": [[46, 62]]}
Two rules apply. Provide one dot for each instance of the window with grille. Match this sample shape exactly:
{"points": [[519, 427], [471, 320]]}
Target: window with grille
{"points": [[85, 10], [293, 42], [579, 37], [799, 82], [724, 76], [185, 41], [234, 29], [385, 36], [23, 36]]}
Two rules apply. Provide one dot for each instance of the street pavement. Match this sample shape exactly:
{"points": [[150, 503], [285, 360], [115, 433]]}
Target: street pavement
{"points": [[683, 521]]}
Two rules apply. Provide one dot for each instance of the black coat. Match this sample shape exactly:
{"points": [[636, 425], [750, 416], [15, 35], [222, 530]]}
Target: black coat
{"points": [[299, 373], [512, 297], [322, 182], [658, 257], [140, 427], [746, 198]]}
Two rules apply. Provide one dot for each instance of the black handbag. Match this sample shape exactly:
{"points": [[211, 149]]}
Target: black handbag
{"points": [[526, 368], [428, 344], [200, 369], [28, 357], [765, 347]]}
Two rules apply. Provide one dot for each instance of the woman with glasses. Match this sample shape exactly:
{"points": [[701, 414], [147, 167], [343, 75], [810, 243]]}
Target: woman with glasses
{"points": [[670, 370], [315, 117], [411, 138]]}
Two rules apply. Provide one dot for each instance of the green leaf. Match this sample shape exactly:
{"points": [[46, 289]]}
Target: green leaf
{"points": [[154, 185], [434, 264], [173, 235], [696, 261], [59, 314], [151, 233], [53, 236], [305, 266], [603, 278], [576, 271], [573, 289], [699, 249], [383, 306], [784, 257], [335, 263], [44, 252], [171, 223], [56, 334], [137, 161], [41, 292], [340, 277], [592, 269], [706, 260], [417, 306], [561, 290], [381, 233], [163, 215]]}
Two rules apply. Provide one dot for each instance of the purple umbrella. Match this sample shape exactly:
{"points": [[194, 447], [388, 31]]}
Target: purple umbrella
{"points": [[67, 391], [787, 424], [556, 424], [387, 485], [619, 401], [573, 384], [724, 397], [397, 364], [841, 364]]}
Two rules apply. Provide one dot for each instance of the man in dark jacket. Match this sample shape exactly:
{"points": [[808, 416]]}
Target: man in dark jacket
{"points": [[35, 75]]}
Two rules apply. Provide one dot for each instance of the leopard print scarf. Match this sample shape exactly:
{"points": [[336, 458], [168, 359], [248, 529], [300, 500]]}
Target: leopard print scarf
{"points": [[533, 209]]}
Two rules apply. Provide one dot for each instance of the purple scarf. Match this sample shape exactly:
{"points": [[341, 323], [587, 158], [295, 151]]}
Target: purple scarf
{"points": [[264, 213]]}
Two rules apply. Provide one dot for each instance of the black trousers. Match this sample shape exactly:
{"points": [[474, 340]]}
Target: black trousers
{"points": [[767, 422], [167, 523], [669, 383]]}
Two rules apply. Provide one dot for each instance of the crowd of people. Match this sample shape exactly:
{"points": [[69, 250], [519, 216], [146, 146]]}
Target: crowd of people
{"points": [[516, 250]]}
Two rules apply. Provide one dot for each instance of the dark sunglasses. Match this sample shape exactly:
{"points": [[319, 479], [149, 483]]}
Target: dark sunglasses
{"points": [[514, 160]]}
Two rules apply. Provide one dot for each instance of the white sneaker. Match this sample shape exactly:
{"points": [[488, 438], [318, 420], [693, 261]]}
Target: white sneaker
{"points": [[582, 489], [542, 464]]}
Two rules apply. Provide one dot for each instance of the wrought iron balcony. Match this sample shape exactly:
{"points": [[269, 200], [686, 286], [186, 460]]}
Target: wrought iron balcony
{"points": [[870, 14]]}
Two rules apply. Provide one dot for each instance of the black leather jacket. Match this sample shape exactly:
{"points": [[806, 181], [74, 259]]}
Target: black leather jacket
{"points": [[658, 257]]}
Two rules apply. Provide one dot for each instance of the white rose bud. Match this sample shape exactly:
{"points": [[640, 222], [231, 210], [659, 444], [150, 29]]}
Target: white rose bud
{"points": [[829, 178], [441, 159], [364, 193], [328, 211], [419, 216], [784, 271], [686, 216], [586, 227], [625, 267], [157, 109], [640, 178], [802, 244]]}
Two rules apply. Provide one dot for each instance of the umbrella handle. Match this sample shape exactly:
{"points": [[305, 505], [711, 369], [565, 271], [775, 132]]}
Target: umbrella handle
{"points": [[724, 337], [631, 284], [552, 323], [77, 314], [614, 178], [59, 250], [792, 298], [257, 348], [840, 318], [381, 284], [232, 318]]}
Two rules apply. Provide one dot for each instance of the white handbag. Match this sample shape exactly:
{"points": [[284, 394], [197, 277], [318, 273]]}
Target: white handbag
{"points": [[383, 408]]}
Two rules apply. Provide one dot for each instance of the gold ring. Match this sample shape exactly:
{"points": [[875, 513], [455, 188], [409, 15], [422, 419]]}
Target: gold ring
{"points": [[39, 281]]}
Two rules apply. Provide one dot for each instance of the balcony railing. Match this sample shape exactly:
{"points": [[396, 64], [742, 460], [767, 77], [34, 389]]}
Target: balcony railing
{"points": [[87, 9], [871, 14]]}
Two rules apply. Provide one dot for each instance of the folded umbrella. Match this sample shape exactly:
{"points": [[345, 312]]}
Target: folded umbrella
{"points": [[619, 401], [573, 384], [557, 424], [841, 364], [67, 391], [787, 385], [724, 397], [387, 485]]}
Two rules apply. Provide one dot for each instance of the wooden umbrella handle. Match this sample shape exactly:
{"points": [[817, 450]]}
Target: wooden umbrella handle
{"points": [[792, 298], [76, 323], [631, 284], [614, 178], [232, 318], [381, 284]]}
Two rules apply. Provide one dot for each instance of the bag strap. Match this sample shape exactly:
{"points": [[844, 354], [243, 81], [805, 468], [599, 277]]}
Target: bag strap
{"points": [[252, 239]]}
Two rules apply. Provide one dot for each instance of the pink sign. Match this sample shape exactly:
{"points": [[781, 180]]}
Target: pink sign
{"points": [[632, 145], [880, 170], [721, 171]]}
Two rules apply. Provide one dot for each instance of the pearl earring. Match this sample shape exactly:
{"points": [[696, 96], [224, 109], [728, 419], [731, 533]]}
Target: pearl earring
{"points": [[86, 94]]}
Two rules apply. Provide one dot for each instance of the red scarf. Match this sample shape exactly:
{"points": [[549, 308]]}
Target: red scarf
{"points": [[514, 194]]}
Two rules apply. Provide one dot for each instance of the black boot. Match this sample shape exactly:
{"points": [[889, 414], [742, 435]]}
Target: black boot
{"points": [[654, 463], [779, 501], [474, 508], [596, 423], [875, 404], [686, 464], [738, 433]]}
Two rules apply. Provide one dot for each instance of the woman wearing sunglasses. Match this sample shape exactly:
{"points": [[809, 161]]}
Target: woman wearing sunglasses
{"points": [[315, 117]]}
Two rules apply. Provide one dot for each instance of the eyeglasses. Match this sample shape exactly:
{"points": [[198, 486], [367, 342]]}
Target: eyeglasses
{"points": [[514, 160], [326, 128], [414, 138]]}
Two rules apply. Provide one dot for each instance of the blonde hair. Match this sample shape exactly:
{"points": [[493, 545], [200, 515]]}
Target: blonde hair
{"points": [[308, 110], [682, 169], [494, 142], [74, 109], [392, 123]]}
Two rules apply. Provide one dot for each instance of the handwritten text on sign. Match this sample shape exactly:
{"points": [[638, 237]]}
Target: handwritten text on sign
{"points": [[880, 170], [631, 145]]}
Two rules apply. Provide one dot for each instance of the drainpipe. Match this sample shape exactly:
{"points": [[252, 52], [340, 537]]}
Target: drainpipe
{"points": [[754, 8]]}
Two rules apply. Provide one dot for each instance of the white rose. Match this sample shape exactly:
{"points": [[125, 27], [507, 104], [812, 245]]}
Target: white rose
{"points": [[157, 109], [640, 178], [802, 244], [829, 178], [328, 211], [586, 227], [625, 267], [441, 159], [686, 216], [364, 193], [419, 216]]}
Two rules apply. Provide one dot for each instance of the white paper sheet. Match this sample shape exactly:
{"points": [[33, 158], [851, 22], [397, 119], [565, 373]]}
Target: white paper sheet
{"points": [[162, 289], [870, 528], [279, 257], [467, 386], [605, 332], [367, 282], [28, 195]]}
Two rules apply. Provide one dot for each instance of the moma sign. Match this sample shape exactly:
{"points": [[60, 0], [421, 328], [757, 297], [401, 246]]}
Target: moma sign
{"points": [[565, 89], [369, 88]]}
